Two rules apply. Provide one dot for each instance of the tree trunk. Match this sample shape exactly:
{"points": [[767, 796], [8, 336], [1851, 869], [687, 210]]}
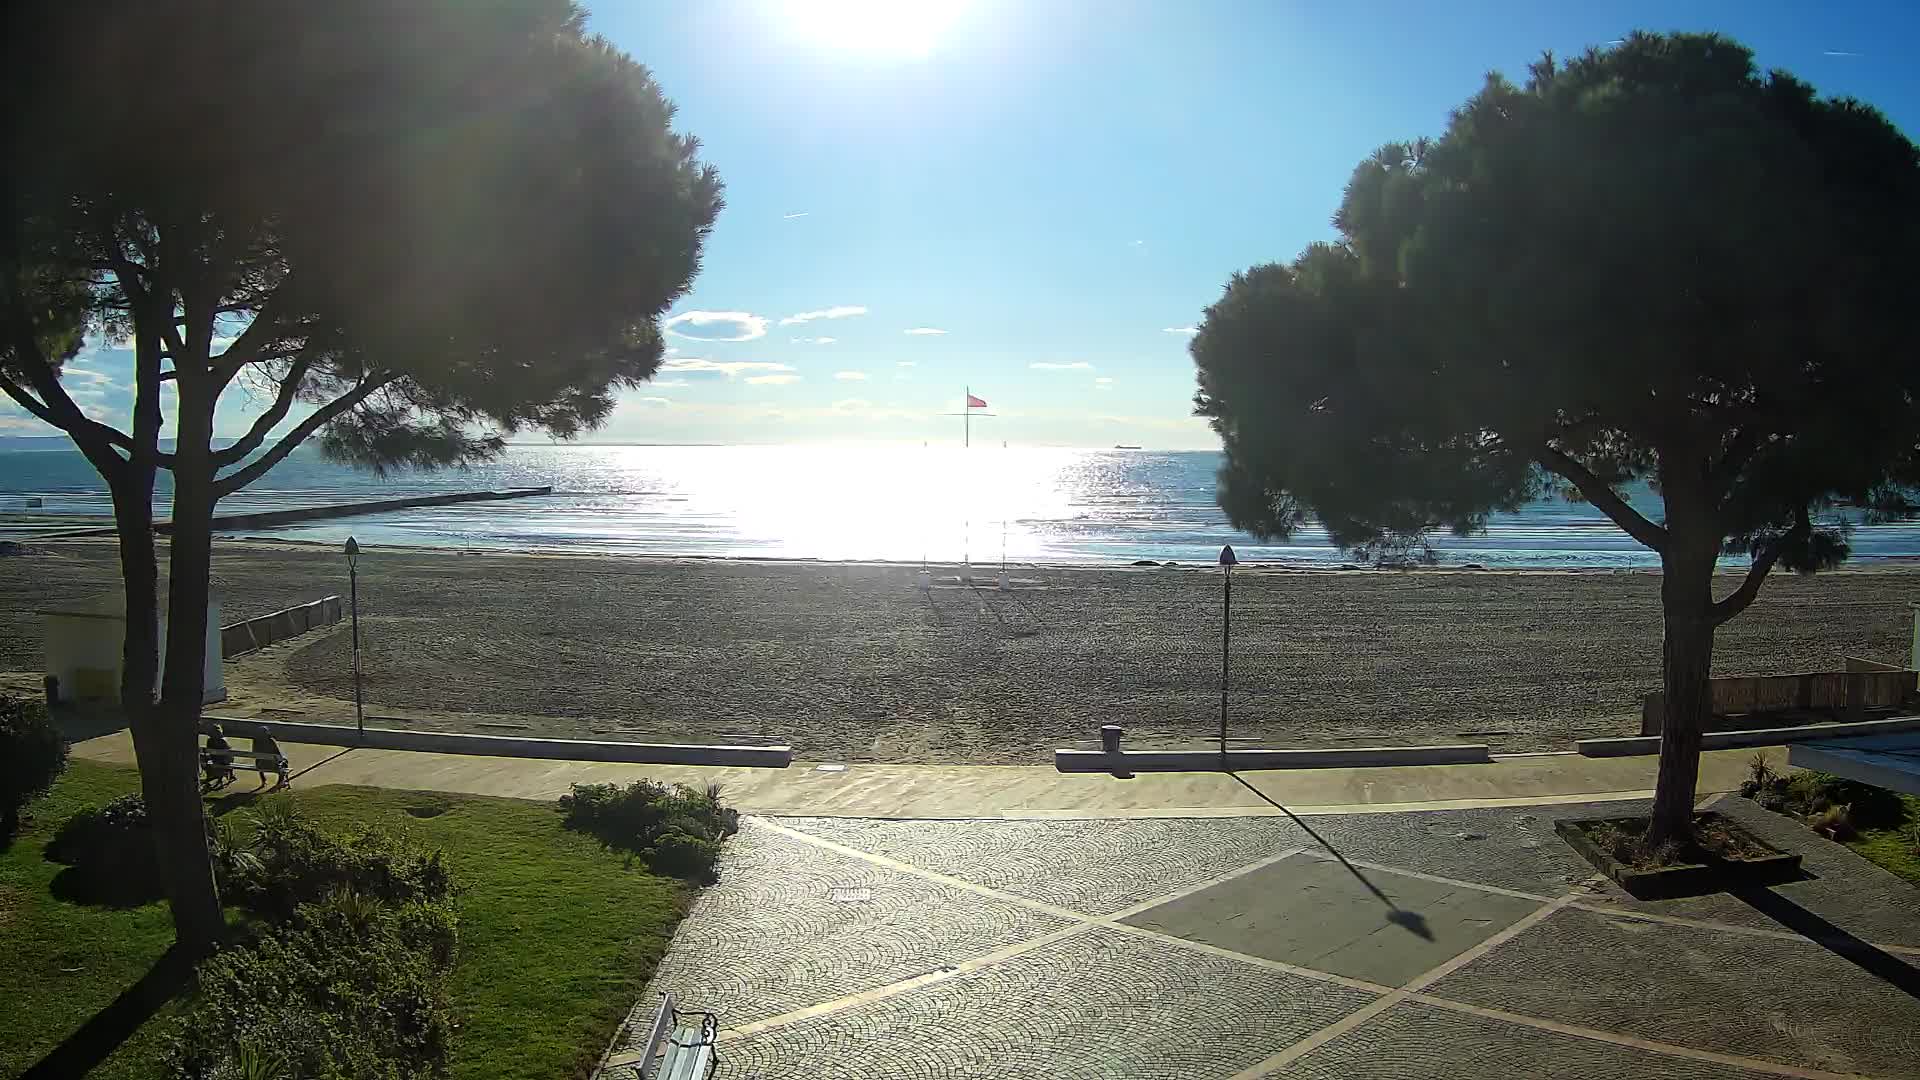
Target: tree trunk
{"points": [[180, 833], [1686, 665]]}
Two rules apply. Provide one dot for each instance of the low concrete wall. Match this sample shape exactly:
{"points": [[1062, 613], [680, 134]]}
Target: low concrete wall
{"points": [[258, 633], [1733, 740], [1209, 760], [441, 742]]}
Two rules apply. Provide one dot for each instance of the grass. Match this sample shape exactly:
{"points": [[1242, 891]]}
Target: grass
{"points": [[1893, 846], [557, 935]]}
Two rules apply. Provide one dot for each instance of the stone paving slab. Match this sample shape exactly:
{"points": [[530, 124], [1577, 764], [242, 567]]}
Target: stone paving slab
{"points": [[1788, 1001], [1098, 1005], [1314, 913], [772, 937], [1096, 867], [1412, 1040], [1508, 847]]}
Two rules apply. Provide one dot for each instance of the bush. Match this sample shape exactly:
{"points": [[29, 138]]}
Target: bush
{"points": [[676, 829], [33, 754], [1811, 794], [110, 851], [290, 863], [350, 987], [1833, 822]]}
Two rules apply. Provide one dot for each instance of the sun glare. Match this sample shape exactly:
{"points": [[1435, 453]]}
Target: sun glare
{"points": [[895, 27]]}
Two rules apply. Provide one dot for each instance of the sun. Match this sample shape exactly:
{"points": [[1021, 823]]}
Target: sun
{"points": [[894, 27]]}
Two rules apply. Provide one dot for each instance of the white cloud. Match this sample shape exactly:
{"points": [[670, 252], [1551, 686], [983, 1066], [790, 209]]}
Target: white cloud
{"points": [[668, 382], [851, 405], [1840, 52], [671, 350], [1077, 365], [729, 368], [813, 340], [75, 376], [656, 401], [798, 214], [903, 363], [773, 380], [224, 341], [728, 325], [1103, 383], [840, 311], [923, 331], [1179, 329], [850, 376]]}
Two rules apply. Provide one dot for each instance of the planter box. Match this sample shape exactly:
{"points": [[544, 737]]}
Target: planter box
{"points": [[1716, 872]]}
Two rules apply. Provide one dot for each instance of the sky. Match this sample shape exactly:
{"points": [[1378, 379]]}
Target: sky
{"points": [[1037, 200]]}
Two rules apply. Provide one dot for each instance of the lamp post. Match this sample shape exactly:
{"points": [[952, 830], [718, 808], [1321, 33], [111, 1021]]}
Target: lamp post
{"points": [[1227, 561], [353, 591]]}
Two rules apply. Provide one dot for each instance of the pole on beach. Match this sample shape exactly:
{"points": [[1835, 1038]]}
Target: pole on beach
{"points": [[353, 589], [1227, 561]]}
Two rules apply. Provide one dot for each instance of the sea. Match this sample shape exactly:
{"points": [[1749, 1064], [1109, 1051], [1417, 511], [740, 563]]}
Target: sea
{"points": [[896, 503]]}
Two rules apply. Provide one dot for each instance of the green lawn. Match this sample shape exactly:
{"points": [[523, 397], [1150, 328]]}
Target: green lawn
{"points": [[557, 937], [1893, 847]]}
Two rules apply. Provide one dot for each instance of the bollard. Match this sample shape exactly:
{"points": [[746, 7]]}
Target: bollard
{"points": [[926, 581], [1110, 737]]}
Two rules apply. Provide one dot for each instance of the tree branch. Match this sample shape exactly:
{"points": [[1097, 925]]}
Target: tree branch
{"points": [[128, 275], [1738, 600], [321, 417], [95, 440], [257, 434], [1740, 450], [1601, 494]]}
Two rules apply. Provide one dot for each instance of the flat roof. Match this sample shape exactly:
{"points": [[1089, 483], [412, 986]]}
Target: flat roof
{"points": [[1888, 761]]}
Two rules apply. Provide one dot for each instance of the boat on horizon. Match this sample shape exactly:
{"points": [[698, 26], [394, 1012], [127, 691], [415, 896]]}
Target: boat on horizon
{"points": [[1124, 446]]}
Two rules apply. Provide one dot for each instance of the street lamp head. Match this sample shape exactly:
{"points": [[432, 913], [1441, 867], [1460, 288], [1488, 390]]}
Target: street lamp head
{"points": [[353, 548], [1227, 557]]}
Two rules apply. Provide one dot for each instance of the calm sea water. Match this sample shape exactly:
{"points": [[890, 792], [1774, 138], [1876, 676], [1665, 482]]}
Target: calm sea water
{"points": [[898, 503]]}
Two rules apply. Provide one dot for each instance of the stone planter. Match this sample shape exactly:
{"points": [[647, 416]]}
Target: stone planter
{"points": [[1715, 871]]}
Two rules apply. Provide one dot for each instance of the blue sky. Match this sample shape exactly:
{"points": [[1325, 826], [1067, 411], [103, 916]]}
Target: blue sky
{"points": [[1056, 187]]}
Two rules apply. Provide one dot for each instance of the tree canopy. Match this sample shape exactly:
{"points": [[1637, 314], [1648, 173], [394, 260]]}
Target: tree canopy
{"points": [[434, 223], [1651, 261]]}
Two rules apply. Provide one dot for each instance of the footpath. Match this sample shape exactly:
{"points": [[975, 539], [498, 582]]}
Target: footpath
{"points": [[831, 789]]}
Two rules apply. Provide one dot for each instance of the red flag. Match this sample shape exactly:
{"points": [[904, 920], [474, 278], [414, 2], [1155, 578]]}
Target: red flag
{"points": [[975, 403]]}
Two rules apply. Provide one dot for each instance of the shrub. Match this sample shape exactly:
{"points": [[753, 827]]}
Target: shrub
{"points": [[1834, 822], [33, 754], [110, 850], [676, 829], [348, 988], [289, 863]]}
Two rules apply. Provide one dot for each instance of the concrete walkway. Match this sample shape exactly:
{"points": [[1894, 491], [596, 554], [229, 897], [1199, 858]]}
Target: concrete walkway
{"points": [[1014, 791]]}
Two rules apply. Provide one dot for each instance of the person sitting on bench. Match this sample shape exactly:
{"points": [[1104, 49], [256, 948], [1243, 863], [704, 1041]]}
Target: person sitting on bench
{"points": [[216, 771], [267, 751]]}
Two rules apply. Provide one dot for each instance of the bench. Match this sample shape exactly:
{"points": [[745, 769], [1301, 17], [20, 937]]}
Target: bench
{"points": [[218, 760], [675, 1049]]}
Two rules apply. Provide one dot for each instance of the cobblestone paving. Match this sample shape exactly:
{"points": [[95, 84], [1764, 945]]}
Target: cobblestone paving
{"points": [[1092, 866], [1099, 1004], [771, 937], [872, 962], [1402, 1044], [1791, 1002]]}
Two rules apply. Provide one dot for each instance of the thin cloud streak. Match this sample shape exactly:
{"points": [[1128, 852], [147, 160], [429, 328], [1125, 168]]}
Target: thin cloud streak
{"points": [[841, 311], [1077, 365], [850, 376], [772, 380], [924, 331], [729, 368], [1179, 329]]}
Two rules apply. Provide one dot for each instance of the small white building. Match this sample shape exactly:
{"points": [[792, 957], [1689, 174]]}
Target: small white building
{"points": [[85, 642]]}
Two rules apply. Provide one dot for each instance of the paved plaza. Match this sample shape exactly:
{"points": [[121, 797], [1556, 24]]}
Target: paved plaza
{"points": [[1458, 943]]}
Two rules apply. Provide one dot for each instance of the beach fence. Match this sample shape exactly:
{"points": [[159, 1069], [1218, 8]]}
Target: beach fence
{"points": [[258, 633]]}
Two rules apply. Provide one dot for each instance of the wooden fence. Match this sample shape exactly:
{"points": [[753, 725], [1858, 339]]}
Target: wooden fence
{"points": [[1845, 694], [244, 637]]}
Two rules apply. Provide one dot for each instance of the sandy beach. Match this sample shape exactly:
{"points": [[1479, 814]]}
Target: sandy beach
{"points": [[851, 662]]}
